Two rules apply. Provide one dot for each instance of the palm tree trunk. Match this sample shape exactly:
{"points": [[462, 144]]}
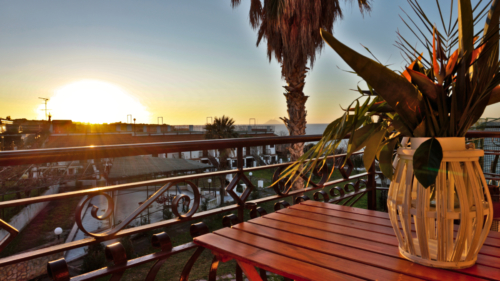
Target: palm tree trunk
{"points": [[296, 107]]}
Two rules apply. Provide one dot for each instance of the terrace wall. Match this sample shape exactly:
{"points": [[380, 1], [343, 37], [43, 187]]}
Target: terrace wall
{"points": [[27, 270], [24, 217]]}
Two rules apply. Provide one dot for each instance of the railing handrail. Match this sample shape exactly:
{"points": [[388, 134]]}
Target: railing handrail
{"points": [[47, 155]]}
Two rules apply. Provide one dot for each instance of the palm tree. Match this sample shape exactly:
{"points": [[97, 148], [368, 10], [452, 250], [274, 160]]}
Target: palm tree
{"points": [[221, 128], [292, 31]]}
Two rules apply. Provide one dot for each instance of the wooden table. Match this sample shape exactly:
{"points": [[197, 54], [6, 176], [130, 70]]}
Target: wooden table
{"points": [[320, 241]]}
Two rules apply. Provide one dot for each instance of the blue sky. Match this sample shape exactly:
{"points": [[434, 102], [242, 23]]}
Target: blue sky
{"points": [[182, 60]]}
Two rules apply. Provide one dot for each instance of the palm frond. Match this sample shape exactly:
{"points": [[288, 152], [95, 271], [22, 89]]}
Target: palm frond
{"points": [[441, 15]]}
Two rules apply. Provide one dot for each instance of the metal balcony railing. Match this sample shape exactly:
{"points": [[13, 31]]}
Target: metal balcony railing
{"points": [[356, 187]]}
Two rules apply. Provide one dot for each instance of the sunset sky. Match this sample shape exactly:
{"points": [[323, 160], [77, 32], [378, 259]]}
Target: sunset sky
{"points": [[182, 60]]}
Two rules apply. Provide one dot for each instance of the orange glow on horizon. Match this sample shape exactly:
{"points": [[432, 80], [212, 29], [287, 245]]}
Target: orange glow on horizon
{"points": [[95, 102]]}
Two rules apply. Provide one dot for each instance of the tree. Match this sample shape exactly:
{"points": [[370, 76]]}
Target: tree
{"points": [[292, 31], [221, 128]]}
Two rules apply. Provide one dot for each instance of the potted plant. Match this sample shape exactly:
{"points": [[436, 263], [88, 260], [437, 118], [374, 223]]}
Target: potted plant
{"points": [[436, 179]]}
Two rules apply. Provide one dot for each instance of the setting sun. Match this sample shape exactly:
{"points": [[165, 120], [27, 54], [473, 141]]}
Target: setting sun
{"points": [[95, 102]]}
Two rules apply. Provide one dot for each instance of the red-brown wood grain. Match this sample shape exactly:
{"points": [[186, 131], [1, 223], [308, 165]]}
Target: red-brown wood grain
{"points": [[491, 236], [486, 249], [284, 266], [320, 241], [316, 257], [390, 262]]}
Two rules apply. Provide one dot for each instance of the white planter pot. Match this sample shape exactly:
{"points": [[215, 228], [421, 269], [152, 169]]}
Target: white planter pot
{"points": [[423, 218]]}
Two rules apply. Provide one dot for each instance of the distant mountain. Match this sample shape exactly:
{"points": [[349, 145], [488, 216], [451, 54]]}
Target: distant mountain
{"points": [[274, 122]]}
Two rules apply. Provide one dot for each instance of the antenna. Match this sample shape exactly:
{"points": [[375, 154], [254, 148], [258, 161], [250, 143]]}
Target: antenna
{"points": [[130, 118], [250, 121], [211, 120], [45, 100], [159, 120]]}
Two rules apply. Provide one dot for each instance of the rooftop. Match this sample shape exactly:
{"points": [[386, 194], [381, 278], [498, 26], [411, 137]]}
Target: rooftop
{"points": [[132, 166]]}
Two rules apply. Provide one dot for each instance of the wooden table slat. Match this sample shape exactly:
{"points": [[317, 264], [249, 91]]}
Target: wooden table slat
{"points": [[284, 266], [490, 241], [486, 250], [313, 257], [377, 214], [363, 256], [353, 232], [486, 267]]}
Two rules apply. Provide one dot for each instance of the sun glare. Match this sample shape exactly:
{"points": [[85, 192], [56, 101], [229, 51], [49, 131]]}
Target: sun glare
{"points": [[95, 102]]}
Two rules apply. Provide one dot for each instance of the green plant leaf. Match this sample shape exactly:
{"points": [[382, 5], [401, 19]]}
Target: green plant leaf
{"points": [[465, 29], [385, 158], [421, 128], [400, 126], [332, 137], [400, 94], [495, 96], [378, 107], [360, 137], [425, 85], [372, 147], [426, 162]]}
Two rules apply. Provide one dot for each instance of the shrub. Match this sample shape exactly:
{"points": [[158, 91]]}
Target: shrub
{"points": [[255, 194], [145, 220], [167, 213], [94, 258], [129, 247], [204, 205]]}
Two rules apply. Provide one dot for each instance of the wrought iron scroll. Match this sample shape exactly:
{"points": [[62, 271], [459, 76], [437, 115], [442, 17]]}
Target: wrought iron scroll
{"points": [[175, 206], [321, 172], [116, 253], [58, 270], [281, 186], [160, 241], [230, 220], [351, 193], [196, 230], [259, 211], [323, 194], [301, 198], [348, 167], [282, 203], [255, 210]]}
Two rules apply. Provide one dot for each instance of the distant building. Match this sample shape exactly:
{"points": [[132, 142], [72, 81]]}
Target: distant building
{"points": [[67, 134], [61, 126], [26, 134]]}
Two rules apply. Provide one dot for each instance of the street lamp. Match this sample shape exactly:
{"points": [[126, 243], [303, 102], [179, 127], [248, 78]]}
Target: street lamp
{"points": [[134, 126], [58, 232], [250, 174], [209, 185]]}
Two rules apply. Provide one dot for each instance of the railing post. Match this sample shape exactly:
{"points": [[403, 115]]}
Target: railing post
{"points": [[372, 185], [239, 154]]}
